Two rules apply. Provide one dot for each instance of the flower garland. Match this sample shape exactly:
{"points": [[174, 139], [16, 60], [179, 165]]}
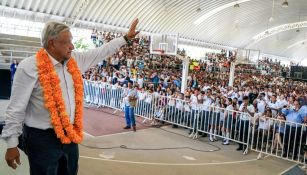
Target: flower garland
{"points": [[54, 101]]}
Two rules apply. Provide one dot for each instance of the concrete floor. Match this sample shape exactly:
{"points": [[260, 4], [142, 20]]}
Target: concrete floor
{"points": [[205, 158], [170, 161]]}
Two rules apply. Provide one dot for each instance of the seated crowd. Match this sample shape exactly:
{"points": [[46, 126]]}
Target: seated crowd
{"points": [[269, 100]]}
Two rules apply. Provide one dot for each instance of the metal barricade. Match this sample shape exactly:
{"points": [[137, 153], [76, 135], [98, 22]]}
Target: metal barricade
{"points": [[145, 106], [226, 124], [175, 111], [107, 95], [279, 138], [269, 136]]}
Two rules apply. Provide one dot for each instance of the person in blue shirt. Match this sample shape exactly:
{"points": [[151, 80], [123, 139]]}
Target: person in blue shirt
{"points": [[13, 68], [303, 110], [177, 82], [293, 130], [155, 79]]}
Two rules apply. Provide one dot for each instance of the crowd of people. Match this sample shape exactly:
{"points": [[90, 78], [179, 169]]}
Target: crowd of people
{"points": [[269, 66], [262, 95]]}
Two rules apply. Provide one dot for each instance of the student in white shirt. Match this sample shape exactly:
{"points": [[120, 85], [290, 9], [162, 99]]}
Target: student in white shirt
{"points": [[281, 102], [140, 81], [214, 119], [244, 121], [205, 113], [187, 111], [142, 95], [263, 128], [279, 132], [273, 105], [240, 96], [194, 102], [170, 110], [261, 103], [179, 104], [228, 120], [115, 62], [149, 104]]}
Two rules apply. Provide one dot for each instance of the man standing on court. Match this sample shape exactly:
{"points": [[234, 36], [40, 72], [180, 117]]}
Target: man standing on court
{"points": [[47, 102], [13, 68], [130, 100]]}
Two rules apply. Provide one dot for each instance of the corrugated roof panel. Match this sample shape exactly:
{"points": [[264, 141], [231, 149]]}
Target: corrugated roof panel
{"points": [[231, 26]]}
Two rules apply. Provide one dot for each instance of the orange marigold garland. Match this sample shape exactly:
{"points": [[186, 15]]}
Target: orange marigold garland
{"points": [[54, 101]]}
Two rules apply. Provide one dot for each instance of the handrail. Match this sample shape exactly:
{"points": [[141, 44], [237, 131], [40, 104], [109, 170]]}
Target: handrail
{"points": [[15, 57], [11, 39], [18, 45], [18, 51]]}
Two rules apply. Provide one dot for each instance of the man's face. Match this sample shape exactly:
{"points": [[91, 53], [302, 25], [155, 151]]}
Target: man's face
{"points": [[196, 92], [245, 102], [209, 92], [62, 46], [296, 105]]}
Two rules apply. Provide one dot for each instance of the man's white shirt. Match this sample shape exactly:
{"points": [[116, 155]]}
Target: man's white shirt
{"points": [[27, 104]]}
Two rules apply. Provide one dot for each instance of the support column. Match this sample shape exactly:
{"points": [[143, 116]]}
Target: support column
{"points": [[232, 74], [185, 72], [11, 58]]}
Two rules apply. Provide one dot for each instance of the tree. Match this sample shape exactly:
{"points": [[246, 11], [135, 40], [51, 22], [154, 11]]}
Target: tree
{"points": [[81, 45]]}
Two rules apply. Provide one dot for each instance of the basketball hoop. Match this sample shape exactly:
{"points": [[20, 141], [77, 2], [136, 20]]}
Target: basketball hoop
{"points": [[163, 44], [159, 51]]}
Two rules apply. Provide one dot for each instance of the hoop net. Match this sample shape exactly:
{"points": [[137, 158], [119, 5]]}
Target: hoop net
{"points": [[159, 51]]}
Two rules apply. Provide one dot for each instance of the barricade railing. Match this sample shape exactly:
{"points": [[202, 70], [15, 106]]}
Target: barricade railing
{"points": [[107, 95], [279, 138], [267, 136], [229, 125], [174, 111]]}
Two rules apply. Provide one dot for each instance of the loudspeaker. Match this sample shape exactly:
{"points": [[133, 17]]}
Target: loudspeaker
{"points": [[298, 72], [5, 80], [284, 74]]}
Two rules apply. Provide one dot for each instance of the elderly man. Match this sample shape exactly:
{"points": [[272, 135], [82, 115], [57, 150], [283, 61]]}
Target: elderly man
{"points": [[47, 102]]}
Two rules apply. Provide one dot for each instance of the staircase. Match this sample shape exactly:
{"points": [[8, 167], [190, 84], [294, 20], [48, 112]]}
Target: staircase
{"points": [[15, 47]]}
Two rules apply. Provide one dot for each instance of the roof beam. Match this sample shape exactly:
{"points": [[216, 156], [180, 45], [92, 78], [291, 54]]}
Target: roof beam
{"points": [[275, 30], [20, 4], [4, 2], [77, 12], [12, 3], [278, 29]]}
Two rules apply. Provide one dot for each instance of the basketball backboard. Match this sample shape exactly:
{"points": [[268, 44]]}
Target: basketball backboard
{"points": [[247, 56], [164, 44]]}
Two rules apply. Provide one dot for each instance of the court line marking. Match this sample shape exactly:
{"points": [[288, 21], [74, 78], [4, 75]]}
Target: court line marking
{"points": [[180, 164], [292, 166], [169, 164], [120, 133]]}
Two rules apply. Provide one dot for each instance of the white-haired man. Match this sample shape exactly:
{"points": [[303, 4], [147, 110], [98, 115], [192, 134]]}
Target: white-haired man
{"points": [[46, 102]]}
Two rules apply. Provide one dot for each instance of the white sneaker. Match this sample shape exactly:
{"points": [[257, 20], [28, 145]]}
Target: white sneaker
{"points": [[225, 143]]}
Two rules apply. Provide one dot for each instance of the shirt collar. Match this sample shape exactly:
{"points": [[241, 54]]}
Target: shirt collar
{"points": [[54, 61]]}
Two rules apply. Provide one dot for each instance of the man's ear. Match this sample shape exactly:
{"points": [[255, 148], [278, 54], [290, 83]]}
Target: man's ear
{"points": [[50, 44]]}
